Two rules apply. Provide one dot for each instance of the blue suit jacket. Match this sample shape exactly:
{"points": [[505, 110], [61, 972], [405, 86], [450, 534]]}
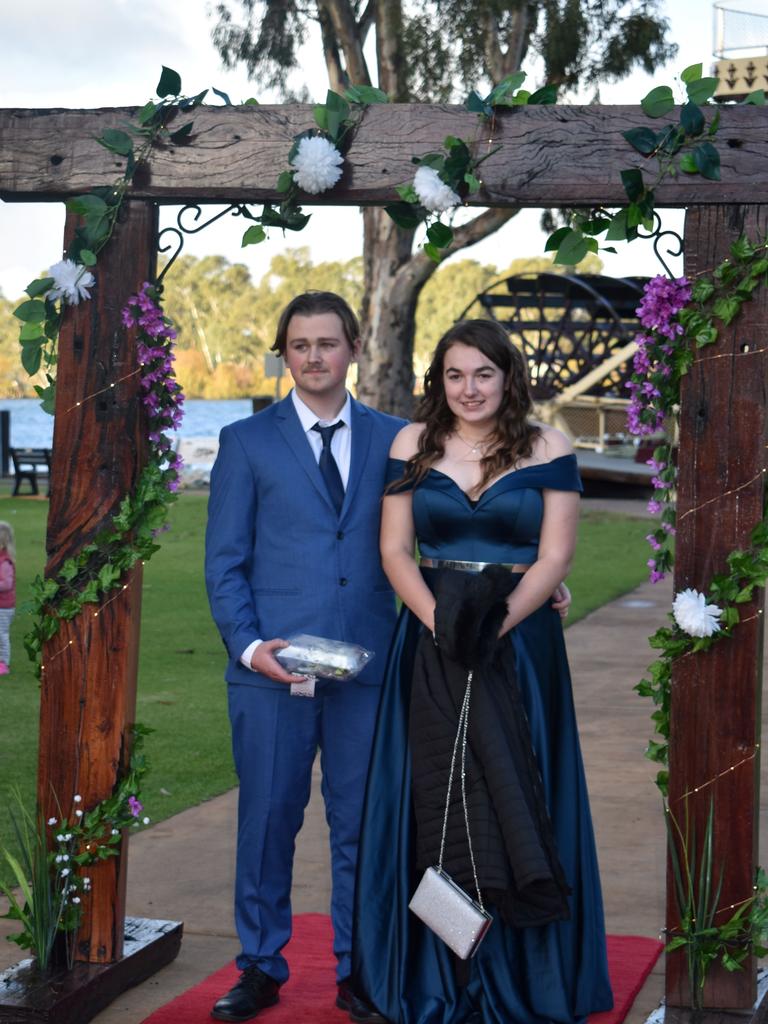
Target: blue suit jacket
{"points": [[279, 560]]}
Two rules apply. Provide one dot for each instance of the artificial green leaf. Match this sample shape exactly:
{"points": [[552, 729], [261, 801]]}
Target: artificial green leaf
{"points": [[707, 160], [434, 160], [116, 141], [702, 290], [251, 102], [642, 139], [191, 102], [320, 114], [632, 180], [365, 94], [658, 102], [181, 135], [617, 230], [146, 113], [594, 225], [521, 97], [701, 90], [475, 104], [692, 73], [407, 193], [692, 119], [670, 139], [706, 335], [284, 181], [433, 252], [87, 205], [742, 248], [39, 286], [688, 164], [222, 95], [405, 215], [32, 332], [544, 96], [32, 311], [440, 234], [727, 309], [47, 396], [554, 240], [253, 235], [170, 82], [31, 357], [757, 98], [472, 183], [572, 249], [502, 94], [87, 258]]}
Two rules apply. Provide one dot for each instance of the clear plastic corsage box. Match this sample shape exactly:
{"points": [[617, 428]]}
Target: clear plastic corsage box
{"points": [[317, 656]]}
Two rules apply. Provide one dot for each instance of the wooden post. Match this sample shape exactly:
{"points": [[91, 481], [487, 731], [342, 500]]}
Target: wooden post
{"points": [[88, 691], [715, 715]]}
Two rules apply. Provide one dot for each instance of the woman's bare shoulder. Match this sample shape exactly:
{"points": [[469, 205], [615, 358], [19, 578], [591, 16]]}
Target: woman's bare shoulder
{"points": [[551, 444], [406, 442]]}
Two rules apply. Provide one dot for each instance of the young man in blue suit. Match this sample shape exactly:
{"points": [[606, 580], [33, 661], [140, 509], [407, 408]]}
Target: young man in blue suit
{"points": [[292, 546]]}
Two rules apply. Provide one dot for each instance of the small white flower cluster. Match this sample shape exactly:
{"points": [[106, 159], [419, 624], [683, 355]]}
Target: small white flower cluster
{"points": [[71, 282], [432, 191], [317, 164], [693, 615]]}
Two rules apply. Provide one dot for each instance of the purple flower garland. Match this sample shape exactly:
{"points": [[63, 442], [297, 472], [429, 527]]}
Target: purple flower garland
{"points": [[162, 396], [654, 388]]}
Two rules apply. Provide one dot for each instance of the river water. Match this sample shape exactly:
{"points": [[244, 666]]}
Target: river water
{"points": [[32, 428]]}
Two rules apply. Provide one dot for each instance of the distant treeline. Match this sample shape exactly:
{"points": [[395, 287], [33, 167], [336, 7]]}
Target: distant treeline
{"points": [[226, 321]]}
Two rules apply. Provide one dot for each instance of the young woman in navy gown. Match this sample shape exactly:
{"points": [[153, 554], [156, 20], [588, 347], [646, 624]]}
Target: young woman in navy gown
{"points": [[475, 480]]}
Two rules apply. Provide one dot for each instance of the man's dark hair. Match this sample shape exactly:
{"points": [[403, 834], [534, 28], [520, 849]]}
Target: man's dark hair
{"points": [[311, 303]]}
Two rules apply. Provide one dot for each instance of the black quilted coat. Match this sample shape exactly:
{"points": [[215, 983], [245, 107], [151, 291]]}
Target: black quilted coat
{"points": [[517, 863]]}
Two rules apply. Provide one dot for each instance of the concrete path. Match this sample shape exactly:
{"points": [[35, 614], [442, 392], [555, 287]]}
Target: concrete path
{"points": [[182, 868]]}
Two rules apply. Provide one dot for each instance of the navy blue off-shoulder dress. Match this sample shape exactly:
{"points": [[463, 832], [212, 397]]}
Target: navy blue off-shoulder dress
{"points": [[556, 973]]}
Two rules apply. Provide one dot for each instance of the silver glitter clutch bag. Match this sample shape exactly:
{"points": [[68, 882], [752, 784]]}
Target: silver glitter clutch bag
{"points": [[439, 902], [450, 912]]}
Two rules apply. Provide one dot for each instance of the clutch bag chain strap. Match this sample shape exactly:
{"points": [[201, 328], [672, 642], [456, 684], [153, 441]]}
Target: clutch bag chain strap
{"points": [[461, 737]]}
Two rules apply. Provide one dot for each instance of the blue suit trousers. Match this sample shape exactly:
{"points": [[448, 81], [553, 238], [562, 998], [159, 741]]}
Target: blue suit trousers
{"points": [[275, 737]]}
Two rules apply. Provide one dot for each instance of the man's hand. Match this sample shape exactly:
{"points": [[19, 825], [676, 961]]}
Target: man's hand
{"points": [[561, 600], [263, 660]]}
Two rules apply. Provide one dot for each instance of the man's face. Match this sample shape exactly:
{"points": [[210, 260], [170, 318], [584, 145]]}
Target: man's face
{"points": [[318, 354]]}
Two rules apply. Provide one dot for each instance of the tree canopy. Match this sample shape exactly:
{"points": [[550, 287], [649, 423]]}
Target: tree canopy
{"points": [[430, 50]]}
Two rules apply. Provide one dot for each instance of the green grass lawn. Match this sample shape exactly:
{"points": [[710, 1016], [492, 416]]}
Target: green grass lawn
{"points": [[181, 693]]}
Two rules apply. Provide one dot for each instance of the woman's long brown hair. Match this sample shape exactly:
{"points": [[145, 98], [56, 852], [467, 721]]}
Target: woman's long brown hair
{"points": [[513, 436]]}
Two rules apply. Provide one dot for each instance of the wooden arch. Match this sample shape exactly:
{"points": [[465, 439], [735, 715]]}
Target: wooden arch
{"points": [[547, 156]]}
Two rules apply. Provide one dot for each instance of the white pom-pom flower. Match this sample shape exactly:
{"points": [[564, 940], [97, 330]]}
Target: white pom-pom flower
{"points": [[432, 191], [317, 164], [693, 615], [71, 282]]}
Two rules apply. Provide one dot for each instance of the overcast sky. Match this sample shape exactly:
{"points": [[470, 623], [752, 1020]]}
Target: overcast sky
{"points": [[82, 54]]}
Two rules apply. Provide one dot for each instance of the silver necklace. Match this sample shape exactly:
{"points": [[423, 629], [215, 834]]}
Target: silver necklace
{"points": [[474, 448]]}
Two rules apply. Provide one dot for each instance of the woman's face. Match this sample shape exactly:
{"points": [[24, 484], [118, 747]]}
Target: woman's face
{"points": [[474, 386]]}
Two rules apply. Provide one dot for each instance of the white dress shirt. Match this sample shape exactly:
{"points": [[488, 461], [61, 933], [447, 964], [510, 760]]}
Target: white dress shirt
{"points": [[341, 449]]}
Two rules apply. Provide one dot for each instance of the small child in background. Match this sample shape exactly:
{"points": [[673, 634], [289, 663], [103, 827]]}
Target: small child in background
{"points": [[7, 593]]}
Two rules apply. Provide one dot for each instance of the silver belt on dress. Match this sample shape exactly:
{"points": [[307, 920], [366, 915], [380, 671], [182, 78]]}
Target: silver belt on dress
{"points": [[446, 563]]}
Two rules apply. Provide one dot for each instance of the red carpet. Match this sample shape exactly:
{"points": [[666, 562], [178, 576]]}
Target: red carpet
{"points": [[308, 996]]}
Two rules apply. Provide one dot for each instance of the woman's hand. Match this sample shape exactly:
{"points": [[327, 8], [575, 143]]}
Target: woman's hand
{"points": [[562, 600]]}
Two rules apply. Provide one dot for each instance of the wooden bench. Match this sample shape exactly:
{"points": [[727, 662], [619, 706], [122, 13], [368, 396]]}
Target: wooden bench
{"points": [[27, 462]]}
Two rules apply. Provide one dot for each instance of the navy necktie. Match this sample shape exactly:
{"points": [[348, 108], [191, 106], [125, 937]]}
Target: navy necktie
{"points": [[329, 467]]}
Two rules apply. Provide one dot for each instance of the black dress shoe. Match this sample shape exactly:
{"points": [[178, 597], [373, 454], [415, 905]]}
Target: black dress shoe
{"points": [[359, 1011], [254, 992]]}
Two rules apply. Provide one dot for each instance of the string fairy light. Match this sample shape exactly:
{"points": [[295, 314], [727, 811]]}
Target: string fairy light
{"points": [[714, 779], [101, 391], [94, 615], [724, 494]]}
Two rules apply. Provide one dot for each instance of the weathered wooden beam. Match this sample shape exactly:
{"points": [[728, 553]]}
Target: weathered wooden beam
{"points": [[88, 691], [715, 716], [548, 156], [59, 996]]}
